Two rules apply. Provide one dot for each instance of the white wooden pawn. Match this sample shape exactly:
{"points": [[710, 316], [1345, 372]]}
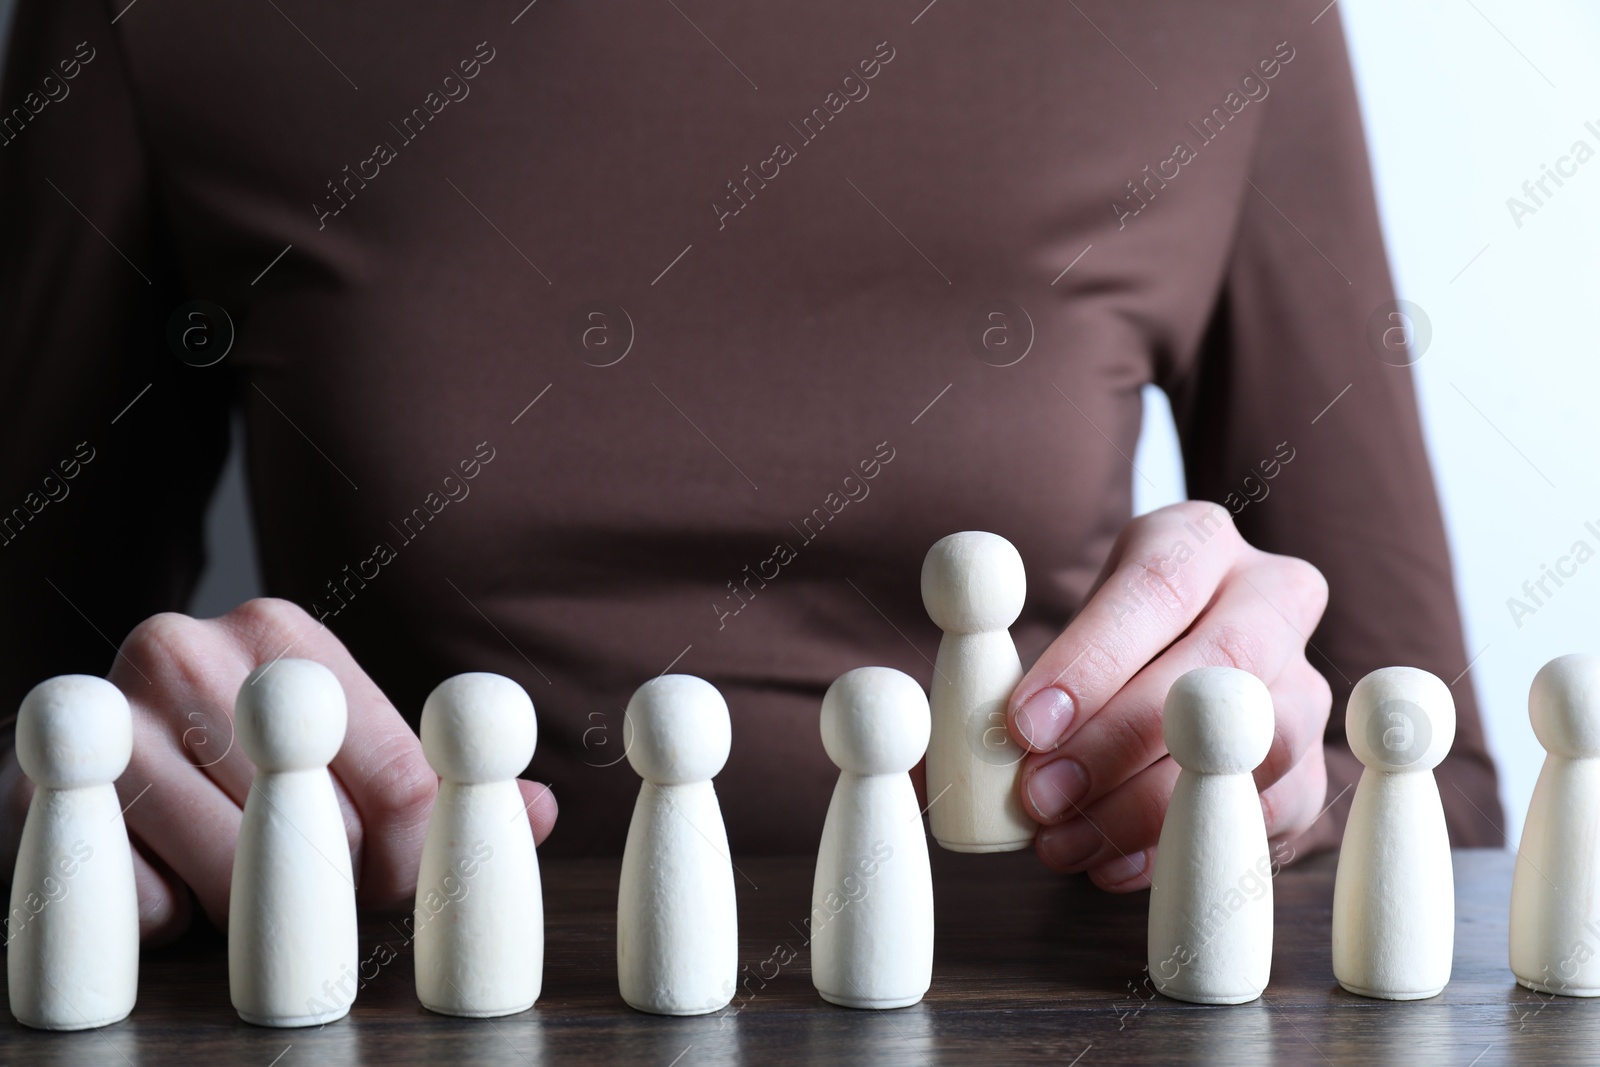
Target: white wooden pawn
{"points": [[1394, 891], [1555, 913], [1210, 932], [73, 930], [974, 586], [871, 921], [479, 918], [292, 947], [677, 922]]}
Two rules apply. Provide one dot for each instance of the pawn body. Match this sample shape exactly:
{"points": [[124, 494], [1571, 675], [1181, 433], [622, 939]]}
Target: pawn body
{"points": [[72, 933], [479, 919], [1555, 913], [677, 923], [973, 586], [292, 949], [872, 899], [1210, 931], [1394, 891]]}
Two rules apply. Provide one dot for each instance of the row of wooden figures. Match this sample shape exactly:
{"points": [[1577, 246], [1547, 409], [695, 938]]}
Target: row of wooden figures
{"points": [[292, 950], [73, 927]]}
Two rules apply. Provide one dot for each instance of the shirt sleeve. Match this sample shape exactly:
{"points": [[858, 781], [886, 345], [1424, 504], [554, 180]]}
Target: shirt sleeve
{"points": [[111, 445], [1305, 425]]}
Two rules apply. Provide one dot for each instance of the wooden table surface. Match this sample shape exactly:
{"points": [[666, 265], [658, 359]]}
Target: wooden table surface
{"points": [[1029, 967]]}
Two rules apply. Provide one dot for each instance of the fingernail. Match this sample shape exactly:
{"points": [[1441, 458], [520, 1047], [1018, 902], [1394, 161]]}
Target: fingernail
{"points": [[1069, 846], [1057, 788], [1044, 717], [1121, 869]]}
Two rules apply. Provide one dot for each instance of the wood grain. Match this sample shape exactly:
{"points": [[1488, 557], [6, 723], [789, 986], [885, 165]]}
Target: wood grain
{"points": [[1029, 967]]}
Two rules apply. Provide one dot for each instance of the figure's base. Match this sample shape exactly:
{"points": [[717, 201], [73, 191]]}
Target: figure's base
{"points": [[1205, 998], [489, 1013], [64, 1025], [1376, 994], [869, 1002], [1563, 991], [968, 846], [290, 1021], [654, 1010]]}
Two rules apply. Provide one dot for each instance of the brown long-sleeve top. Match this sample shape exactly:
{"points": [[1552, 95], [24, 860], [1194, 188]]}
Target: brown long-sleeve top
{"points": [[792, 289]]}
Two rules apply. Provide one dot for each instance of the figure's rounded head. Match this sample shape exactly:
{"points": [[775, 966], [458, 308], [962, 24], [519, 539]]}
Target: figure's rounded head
{"points": [[478, 728], [1400, 719], [677, 730], [875, 721], [74, 730], [1564, 705], [1218, 720], [290, 715], [973, 583]]}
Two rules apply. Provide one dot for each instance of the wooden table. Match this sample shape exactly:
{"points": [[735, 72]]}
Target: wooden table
{"points": [[1029, 967]]}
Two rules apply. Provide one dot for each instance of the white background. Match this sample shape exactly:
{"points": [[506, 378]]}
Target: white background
{"points": [[1463, 102]]}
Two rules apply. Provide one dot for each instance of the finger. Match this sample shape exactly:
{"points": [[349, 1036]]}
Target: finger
{"points": [[191, 670], [1125, 874], [540, 804], [380, 765], [1172, 562], [1244, 629], [1298, 799], [355, 832], [165, 907], [1122, 825], [1301, 701], [181, 815]]}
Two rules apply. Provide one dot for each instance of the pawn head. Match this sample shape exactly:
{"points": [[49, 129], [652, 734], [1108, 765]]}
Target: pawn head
{"points": [[677, 730], [1218, 720], [290, 715], [875, 721], [1564, 704], [74, 730], [1400, 719], [478, 728], [973, 583]]}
